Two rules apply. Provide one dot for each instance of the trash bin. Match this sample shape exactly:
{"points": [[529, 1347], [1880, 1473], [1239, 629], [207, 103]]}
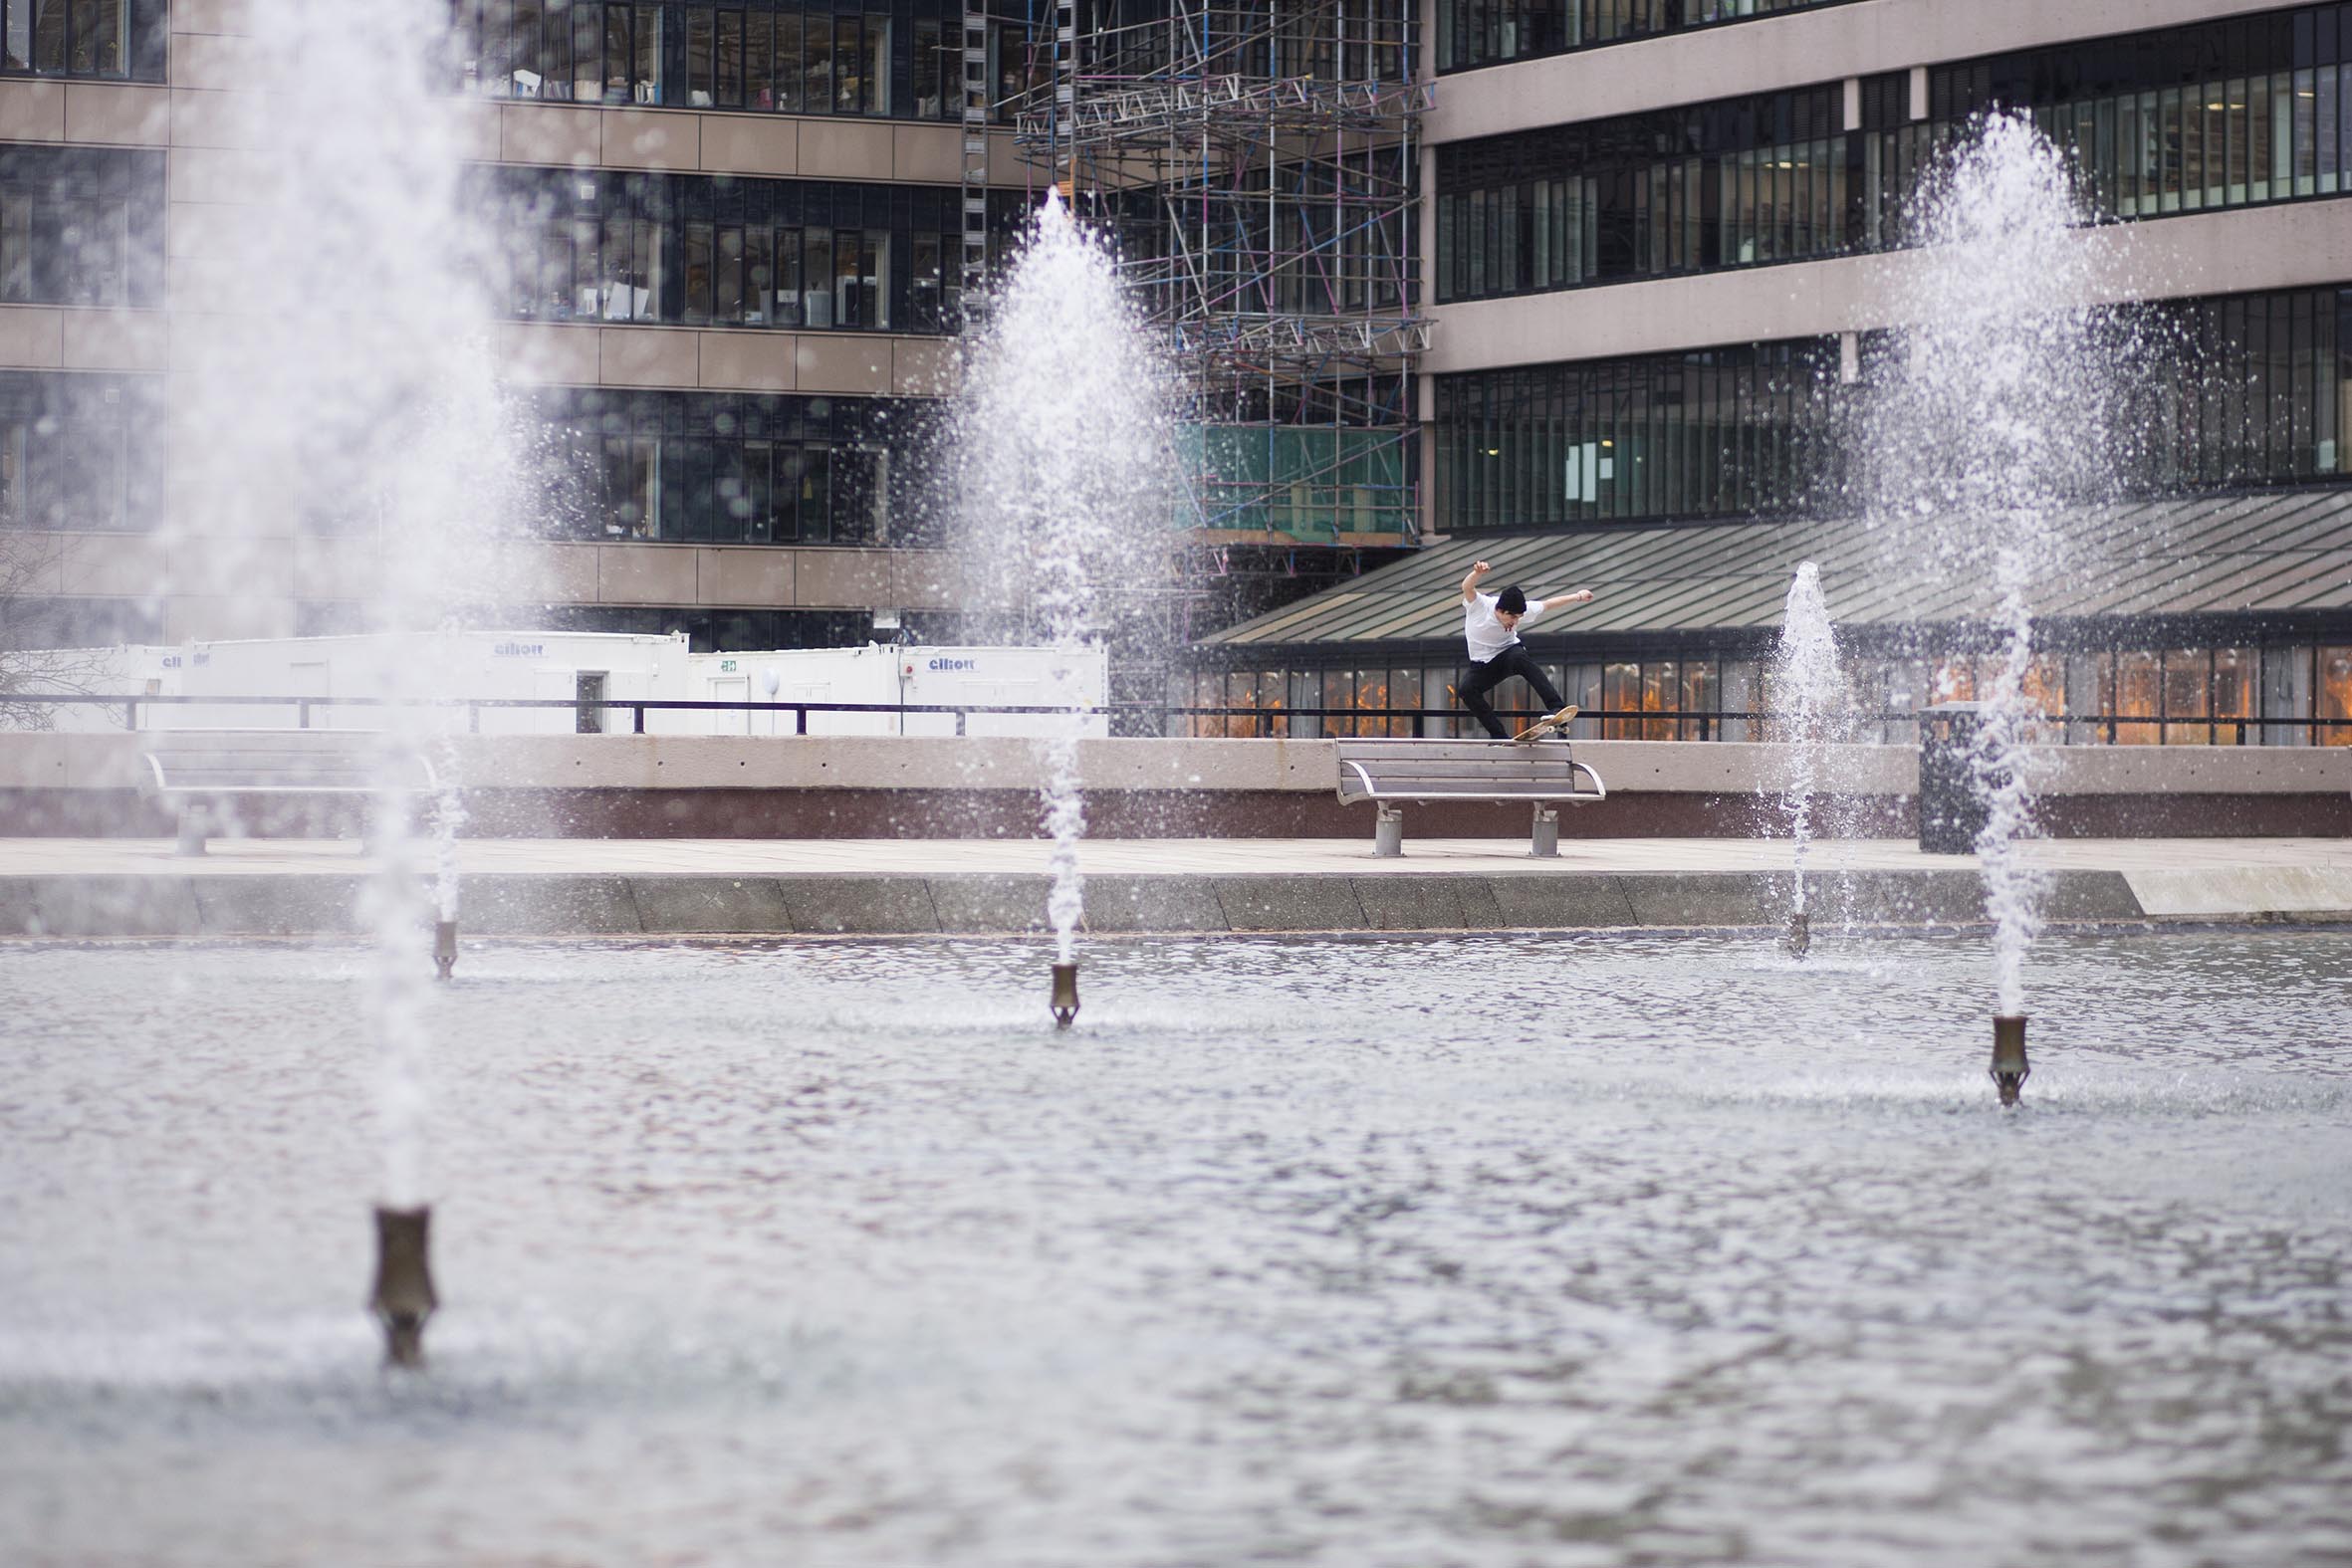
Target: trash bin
{"points": [[1950, 814]]}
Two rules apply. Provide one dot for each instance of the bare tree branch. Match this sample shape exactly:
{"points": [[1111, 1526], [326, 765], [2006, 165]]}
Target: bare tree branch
{"points": [[33, 627]]}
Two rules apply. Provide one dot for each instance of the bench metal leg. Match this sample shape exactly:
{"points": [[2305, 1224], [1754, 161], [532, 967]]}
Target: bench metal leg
{"points": [[1388, 837], [194, 827], [1547, 837]]}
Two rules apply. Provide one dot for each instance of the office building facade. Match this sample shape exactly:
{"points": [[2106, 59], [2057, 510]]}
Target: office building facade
{"points": [[1666, 244], [725, 246]]}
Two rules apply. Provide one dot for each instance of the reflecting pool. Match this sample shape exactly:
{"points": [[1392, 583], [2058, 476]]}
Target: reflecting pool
{"points": [[1483, 1250]]}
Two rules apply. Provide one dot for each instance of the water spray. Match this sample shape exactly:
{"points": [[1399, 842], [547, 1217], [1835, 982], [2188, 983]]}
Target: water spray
{"points": [[2001, 403], [1063, 441], [2010, 1068], [444, 948], [1810, 708], [404, 1298]]}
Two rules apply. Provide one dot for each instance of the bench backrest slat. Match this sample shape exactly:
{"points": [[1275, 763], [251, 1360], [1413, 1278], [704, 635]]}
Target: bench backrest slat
{"points": [[1406, 770], [277, 762]]}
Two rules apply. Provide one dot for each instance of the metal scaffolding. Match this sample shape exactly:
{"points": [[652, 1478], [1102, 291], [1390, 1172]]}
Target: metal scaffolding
{"points": [[1255, 161]]}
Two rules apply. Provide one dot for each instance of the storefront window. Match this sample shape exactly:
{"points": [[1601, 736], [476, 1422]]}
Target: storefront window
{"points": [[2333, 693]]}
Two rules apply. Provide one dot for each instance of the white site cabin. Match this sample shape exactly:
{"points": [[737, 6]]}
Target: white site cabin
{"points": [[583, 671], [918, 676]]}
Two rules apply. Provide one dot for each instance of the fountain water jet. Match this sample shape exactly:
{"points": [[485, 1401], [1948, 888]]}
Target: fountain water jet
{"points": [[1064, 438], [1810, 706], [356, 393], [1996, 406]]}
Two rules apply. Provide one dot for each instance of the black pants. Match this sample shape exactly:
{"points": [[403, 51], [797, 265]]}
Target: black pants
{"points": [[1484, 678]]}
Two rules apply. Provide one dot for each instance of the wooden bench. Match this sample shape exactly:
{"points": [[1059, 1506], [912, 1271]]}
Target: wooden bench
{"points": [[1390, 772], [194, 767]]}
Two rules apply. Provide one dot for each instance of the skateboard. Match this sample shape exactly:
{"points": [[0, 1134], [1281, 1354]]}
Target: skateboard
{"points": [[1551, 724]]}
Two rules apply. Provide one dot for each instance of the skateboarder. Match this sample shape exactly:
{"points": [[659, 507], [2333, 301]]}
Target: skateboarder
{"points": [[1491, 623]]}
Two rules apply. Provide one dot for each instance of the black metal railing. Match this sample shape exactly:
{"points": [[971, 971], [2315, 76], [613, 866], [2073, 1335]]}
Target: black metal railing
{"points": [[1699, 723]]}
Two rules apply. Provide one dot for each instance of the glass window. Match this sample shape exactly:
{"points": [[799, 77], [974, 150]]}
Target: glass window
{"points": [[2333, 696], [2137, 684], [701, 87], [618, 53], [2187, 695], [79, 226], [698, 274], [848, 65], [2236, 674], [729, 59], [2149, 129], [874, 66], [818, 67], [645, 70], [78, 452], [598, 243], [759, 276], [49, 34], [791, 61], [758, 61]]}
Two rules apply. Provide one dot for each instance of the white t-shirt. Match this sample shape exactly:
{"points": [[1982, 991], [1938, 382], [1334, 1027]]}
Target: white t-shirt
{"points": [[1488, 636]]}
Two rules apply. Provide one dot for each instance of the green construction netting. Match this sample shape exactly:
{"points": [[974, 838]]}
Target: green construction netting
{"points": [[1313, 482]]}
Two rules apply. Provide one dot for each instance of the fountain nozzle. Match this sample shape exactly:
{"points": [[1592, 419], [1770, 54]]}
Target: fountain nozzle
{"points": [[1801, 934], [403, 1296], [444, 948], [2010, 1068], [1065, 995]]}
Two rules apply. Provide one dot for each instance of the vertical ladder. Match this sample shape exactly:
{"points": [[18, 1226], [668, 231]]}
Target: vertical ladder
{"points": [[977, 90]]}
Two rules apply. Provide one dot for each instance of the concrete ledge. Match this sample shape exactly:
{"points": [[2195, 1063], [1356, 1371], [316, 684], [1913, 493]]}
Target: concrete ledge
{"points": [[867, 905], [1149, 903], [886, 788], [1291, 903], [1908, 898], [2230, 891], [704, 904], [493, 763], [293, 904], [2091, 895], [243, 906], [1704, 899], [1563, 902], [991, 904], [549, 906]]}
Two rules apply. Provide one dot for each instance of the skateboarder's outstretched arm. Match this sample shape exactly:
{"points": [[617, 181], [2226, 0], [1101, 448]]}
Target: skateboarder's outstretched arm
{"points": [[1550, 602], [1470, 582]]}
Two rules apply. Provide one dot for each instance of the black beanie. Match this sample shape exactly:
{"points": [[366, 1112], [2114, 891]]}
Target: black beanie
{"points": [[1510, 601]]}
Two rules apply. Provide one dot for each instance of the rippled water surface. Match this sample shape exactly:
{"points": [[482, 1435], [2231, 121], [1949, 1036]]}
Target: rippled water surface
{"points": [[1488, 1251]]}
